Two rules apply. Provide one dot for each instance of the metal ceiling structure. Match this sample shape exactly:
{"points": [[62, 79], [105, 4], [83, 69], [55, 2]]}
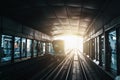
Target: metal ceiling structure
{"points": [[54, 17]]}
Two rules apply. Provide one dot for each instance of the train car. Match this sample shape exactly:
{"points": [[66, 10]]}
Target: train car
{"points": [[58, 46]]}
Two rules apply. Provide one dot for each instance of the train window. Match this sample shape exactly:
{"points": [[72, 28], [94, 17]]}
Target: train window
{"points": [[6, 48], [23, 47], [35, 48], [29, 47], [112, 48], [17, 41]]}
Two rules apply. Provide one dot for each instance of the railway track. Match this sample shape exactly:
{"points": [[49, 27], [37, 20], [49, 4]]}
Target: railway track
{"points": [[74, 66], [60, 72]]}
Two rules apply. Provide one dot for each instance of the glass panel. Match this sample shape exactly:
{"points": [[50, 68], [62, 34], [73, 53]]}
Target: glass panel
{"points": [[35, 48], [102, 50], [6, 47], [29, 47], [51, 51], [43, 48], [97, 50], [112, 48], [23, 47], [39, 48], [17, 47]]}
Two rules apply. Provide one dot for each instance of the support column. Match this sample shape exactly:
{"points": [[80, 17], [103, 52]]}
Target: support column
{"points": [[46, 47], [84, 49], [92, 49], [0, 48], [12, 51], [37, 48], [107, 53], [32, 47], [87, 48], [0, 37], [100, 51], [118, 50], [89, 42], [96, 48], [26, 48], [20, 48]]}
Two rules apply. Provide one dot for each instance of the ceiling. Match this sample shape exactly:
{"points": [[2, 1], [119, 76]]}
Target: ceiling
{"points": [[54, 17]]}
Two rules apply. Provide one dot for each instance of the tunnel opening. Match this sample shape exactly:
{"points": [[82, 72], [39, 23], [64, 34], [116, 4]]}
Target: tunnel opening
{"points": [[71, 42]]}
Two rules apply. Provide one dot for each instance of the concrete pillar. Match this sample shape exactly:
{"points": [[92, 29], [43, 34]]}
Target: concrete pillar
{"points": [[0, 48], [12, 51], [46, 47], [118, 51], [107, 52], [20, 48], [32, 47], [100, 51]]}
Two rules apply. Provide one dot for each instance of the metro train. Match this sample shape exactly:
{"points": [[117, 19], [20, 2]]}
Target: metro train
{"points": [[58, 46]]}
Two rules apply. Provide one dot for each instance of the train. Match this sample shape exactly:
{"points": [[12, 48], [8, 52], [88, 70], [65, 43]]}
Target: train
{"points": [[58, 46]]}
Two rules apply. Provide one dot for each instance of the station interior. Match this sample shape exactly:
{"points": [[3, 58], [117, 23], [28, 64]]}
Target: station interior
{"points": [[59, 40]]}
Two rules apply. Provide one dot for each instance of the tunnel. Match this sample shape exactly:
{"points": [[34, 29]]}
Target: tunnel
{"points": [[59, 40]]}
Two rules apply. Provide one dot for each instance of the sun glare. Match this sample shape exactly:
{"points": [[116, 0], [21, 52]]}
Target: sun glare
{"points": [[72, 42]]}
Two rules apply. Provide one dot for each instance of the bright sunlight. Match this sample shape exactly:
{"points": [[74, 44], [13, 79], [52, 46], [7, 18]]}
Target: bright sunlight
{"points": [[72, 42]]}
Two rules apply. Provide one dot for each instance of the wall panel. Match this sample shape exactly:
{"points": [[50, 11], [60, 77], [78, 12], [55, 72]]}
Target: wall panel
{"points": [[11, 27], [38, 35]]}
